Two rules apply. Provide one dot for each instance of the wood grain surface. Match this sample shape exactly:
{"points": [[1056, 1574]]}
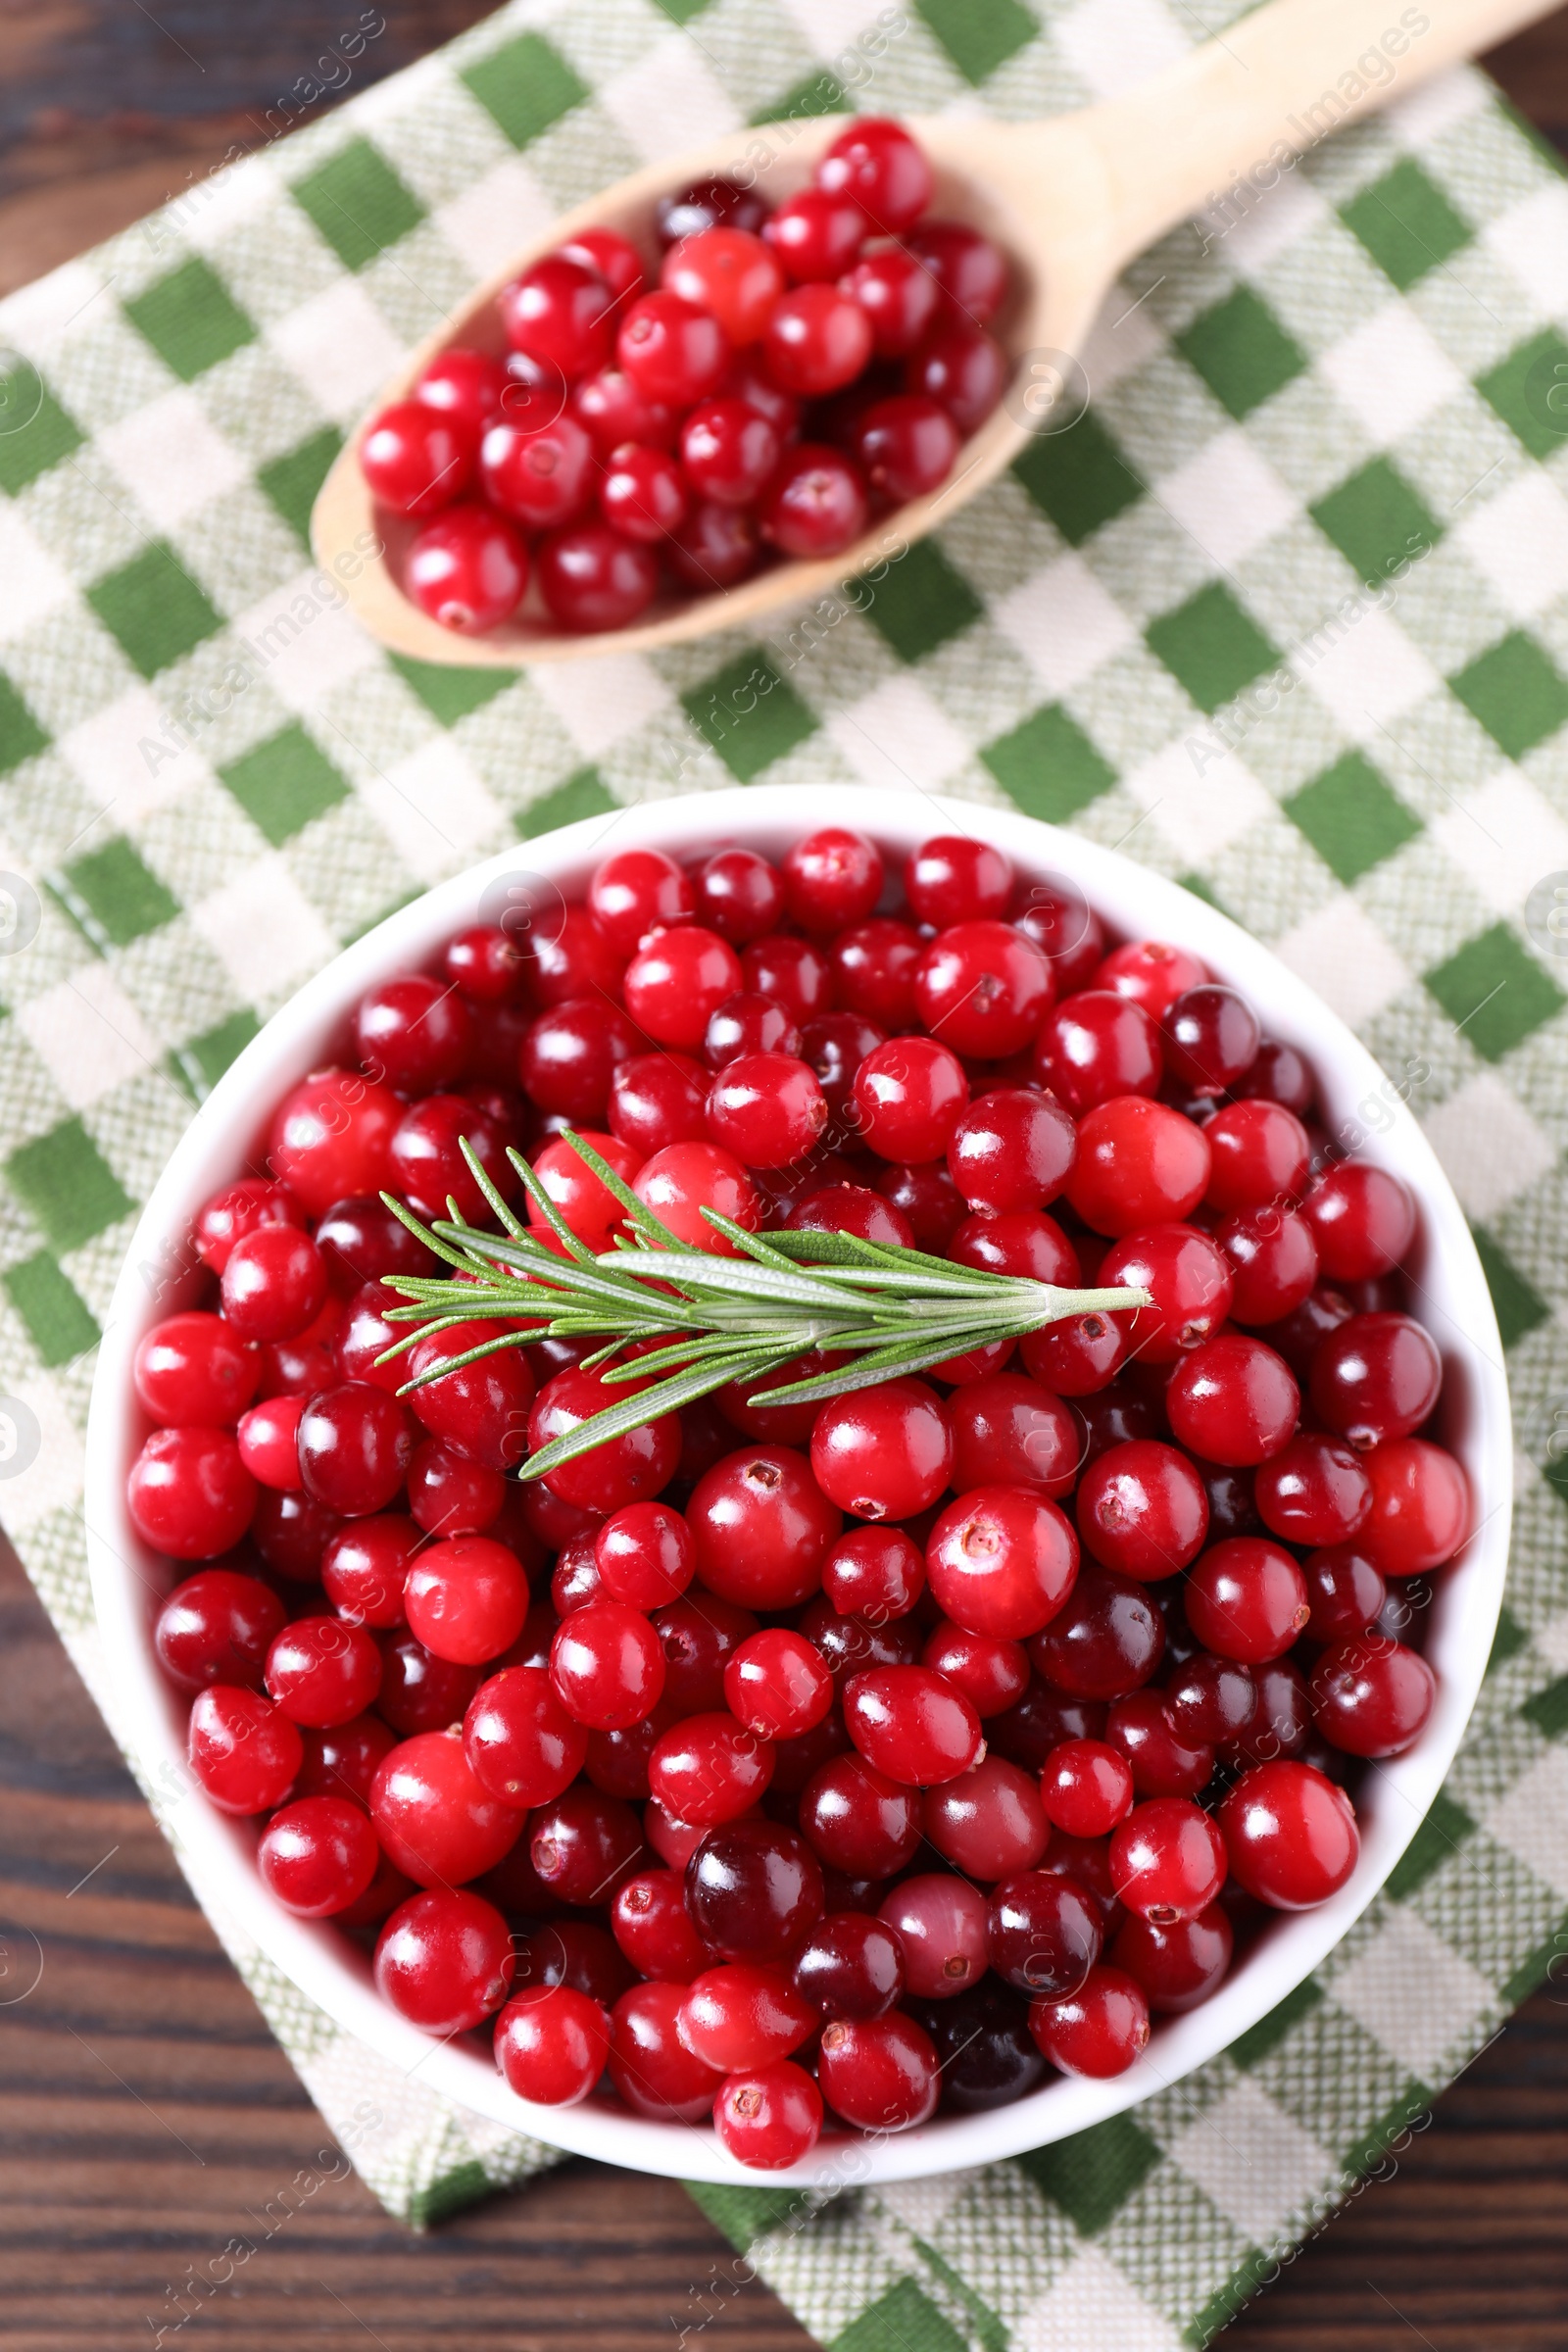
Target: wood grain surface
{"points": [[146, 2114]]}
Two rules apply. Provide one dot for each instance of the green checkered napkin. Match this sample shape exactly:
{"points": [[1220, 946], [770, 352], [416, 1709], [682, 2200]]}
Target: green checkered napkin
{"points": [[210, 780]]}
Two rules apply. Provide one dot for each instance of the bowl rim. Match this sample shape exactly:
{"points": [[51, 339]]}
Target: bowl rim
{"points": [[227, 1129]]}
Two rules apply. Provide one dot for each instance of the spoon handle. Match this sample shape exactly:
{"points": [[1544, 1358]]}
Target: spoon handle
{"points": [[1219, 127]]}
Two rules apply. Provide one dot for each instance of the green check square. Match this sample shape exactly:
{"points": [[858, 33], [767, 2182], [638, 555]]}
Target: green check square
{"points": [[1548, 1709], [1376, 520], [123, 898], [1494, 992], [1405, 222], [1442, 1832], [903, 2319], [1352, 818], [191, 319], [749, 714], [1093, 2174], [284, 782], [528, 84], [1048, 767], [819, 93], [293, 480], [1509, 1639], [357, 203], [69, 1187], [922, 601], [1517, 1304], [202, 1060], [154, 609], [1251, 2049], [1078, 477], [979, 35], [1515, 692], [21, 736], [582, 795], [680, 12], [58, 1322], [35, 432], [449, 694], [1242, 352], [1528, 390], [1212, 645]]}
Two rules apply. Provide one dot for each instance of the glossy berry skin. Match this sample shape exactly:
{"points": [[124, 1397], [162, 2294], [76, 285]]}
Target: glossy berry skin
{"points": [[1420, 1511], [268, 1437], [317, 1856], [1086, 1787], [1043, 1933], [1164, 1762], [884, 1452], [993, 1674], [731, 273], [245, 1752], [274, 1283], [912, 1725], [1012, 1150], [728, 451], [1345, 1592], [436, 1819], [1142, 1509], [216, 1627], [1001, 1560], [428, 1163], [635, 890], [1209, 1699], [234, 1211], [194, 1371], [769, 2117], [1010, 1431], [640, 493], [645, 1555], [444, 1960], [1185, 1275], [874, 1573], [1095, 1047], [1363, 1220], [1107, 1639], [559, 313], [988, 1822], [1178, 1966], [321, 1672], [983, 989], [849, 1965], [420, 1692], [1261, 1153], [329, 1137], [753, 1888], [464, 386], [878, 165], [650, 2066], [1139, 1164], [582, 1199], [815, 503], [740, 894], [796, 972], [898, 294], [880, 2074], [672, 350], [467, 569], [1098, 2030], [1151, 973], [1167, 1860], [362, 1240], [681, 1183], [481, 1408], [962, 368], [766, 1109], [747, 1025], [710, 1769], [1210, 1038], [939, 1921], [761, 1528], [874, 964], [777, 1685], [414, 460], [815, 235], [592, 576], [858, 1821], [743, 2014], [968, 268], [291, 1531], [1079, 1355], [631, 1468], [1372, 1696], [1376, 1377], [904, 446], [521, 1745], [654, 1929], [355, 1443], [607, 1666], [1290, 1835], [466, 1599], [676, 982], [1314, 1491], [1233, 1400], [715, 546], [908, 1096], [655, 1101], [1272, 1259], [189, 1494], [551, 2043], [1246, 1599]]}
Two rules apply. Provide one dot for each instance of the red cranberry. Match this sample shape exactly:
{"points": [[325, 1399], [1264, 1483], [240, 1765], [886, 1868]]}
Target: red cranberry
{"points": [[653, 1929], [1167, 1860], [761, 1528], [193, 1370], [594, 577], [849, 1965], [1345, 1592], [1001, 1560], [189, 1492], [777, 1685], [1142, 1510], [480, 1407], [1177, 1965], [1376, 1377], [1233, 1400], [993, 1674], [968, 268], [467, 569], [444, 1960], [1289, 1834], [1420, 1511], [1246, 1599], [884, 1452], [419, 1691], [1363, 1220], [753, 1888], [962, 368], [650, 2066], [582, 1843], [1315, 1491], [1108, 1640], [1098, 2030], [874, 1573], [656, 1099], [551, 2044], [1372, 1696], [317, 1856], [1010, 1431], [1139, 1164], [245, 1752], [236, 1211], [216, 1627], [414, 460], [1086, 1787], [910, 1724], [858, 1821], [710, 1769], [1043, 1933], [522, 1746], [630, 1468], [1011, 1149], [879, 2074], [1272, 1259], [988, 1823]]}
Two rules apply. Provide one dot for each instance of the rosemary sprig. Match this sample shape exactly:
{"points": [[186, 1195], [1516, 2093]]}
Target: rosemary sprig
{"points": [[887, 1311]]}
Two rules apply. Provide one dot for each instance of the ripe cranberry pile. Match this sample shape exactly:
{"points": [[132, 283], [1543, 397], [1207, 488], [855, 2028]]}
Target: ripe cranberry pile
{"points": [[791, 368], [772, 1759]]}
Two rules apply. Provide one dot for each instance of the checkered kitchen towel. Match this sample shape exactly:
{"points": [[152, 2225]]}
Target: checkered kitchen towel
{"points": [[1286, 615]]}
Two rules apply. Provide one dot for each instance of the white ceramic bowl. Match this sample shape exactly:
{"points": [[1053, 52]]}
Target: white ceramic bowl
{"points": [[223, 1139]]}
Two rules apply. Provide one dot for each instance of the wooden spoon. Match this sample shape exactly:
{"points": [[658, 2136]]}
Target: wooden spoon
{"points": [[1071, 201]]}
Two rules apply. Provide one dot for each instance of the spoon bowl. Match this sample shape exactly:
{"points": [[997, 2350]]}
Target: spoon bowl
{"points": [[1069, 201]]}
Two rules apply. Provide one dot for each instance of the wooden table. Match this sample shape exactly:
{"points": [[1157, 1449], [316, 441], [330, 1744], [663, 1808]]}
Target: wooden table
{"points": [[146, 2113]]}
